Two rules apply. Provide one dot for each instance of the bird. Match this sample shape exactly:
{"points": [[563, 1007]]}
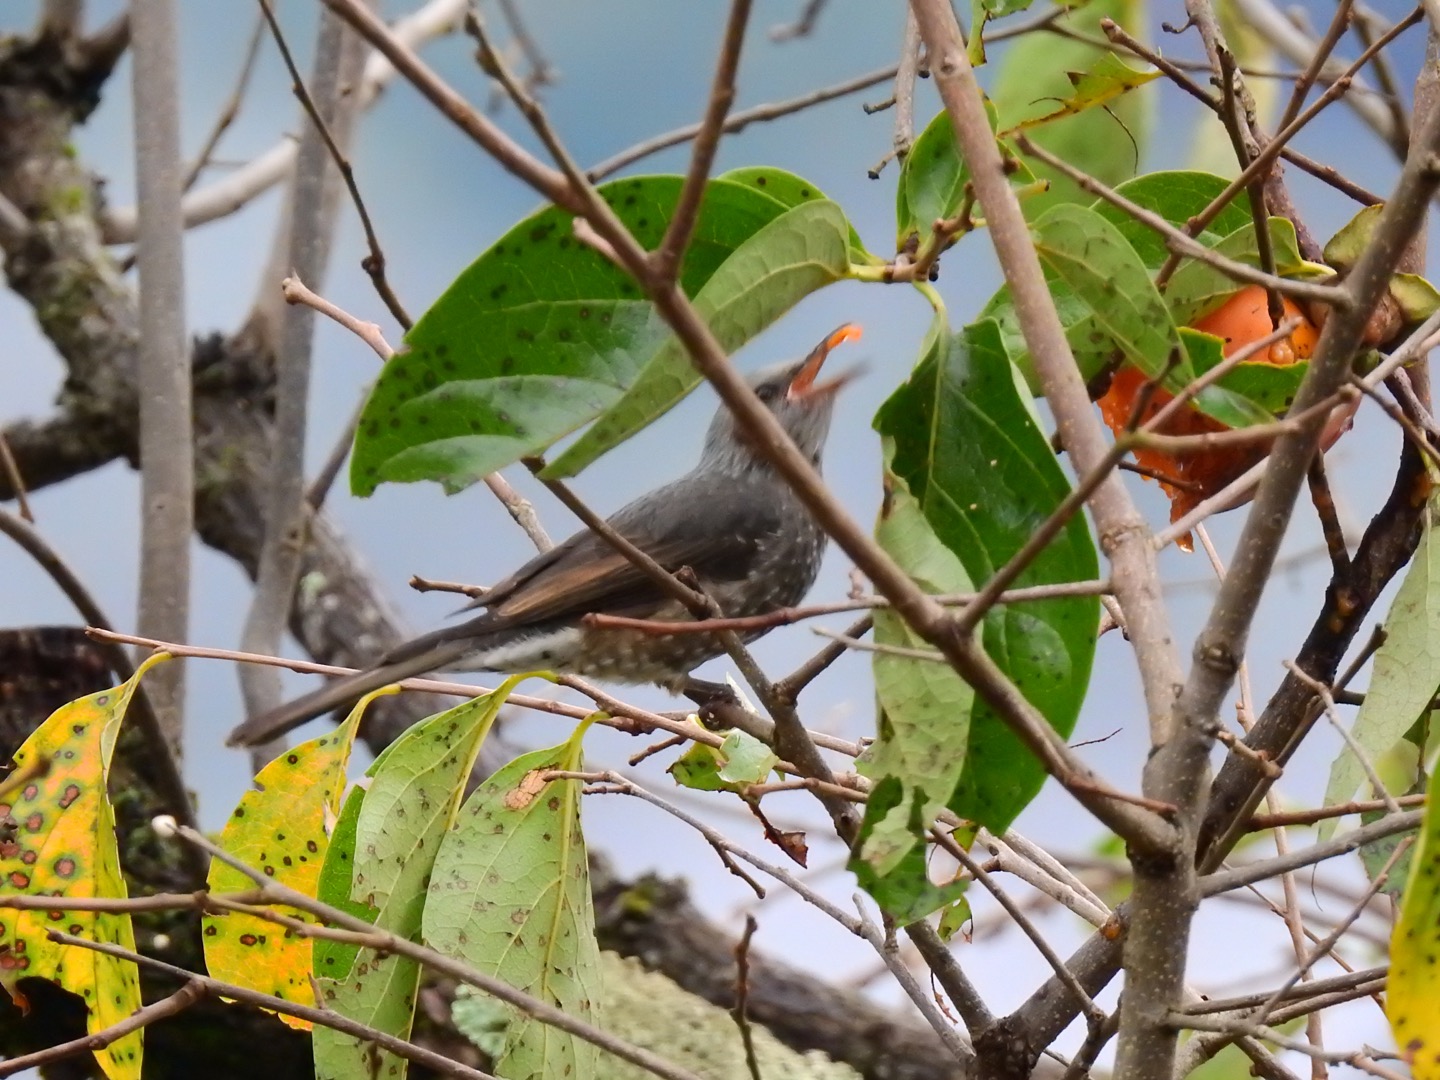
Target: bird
{"points": [[732, 520]]}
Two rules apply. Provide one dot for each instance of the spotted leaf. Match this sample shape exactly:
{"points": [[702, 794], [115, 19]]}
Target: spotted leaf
{"points": [[282, 827], [57, 838]]}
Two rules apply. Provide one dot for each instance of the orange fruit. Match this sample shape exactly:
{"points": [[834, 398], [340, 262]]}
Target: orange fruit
{"points": [[1191, 476]]}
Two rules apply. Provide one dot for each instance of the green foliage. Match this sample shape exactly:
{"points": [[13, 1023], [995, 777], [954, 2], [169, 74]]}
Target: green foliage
{"points": [[1406, 674], [802, 250], [542, 333], [1100, 263], [1106, 80], [1412, 1002], [414, 790], [923, 711], [510, 894], [739, 761], [967, 448], [1107, 142]]}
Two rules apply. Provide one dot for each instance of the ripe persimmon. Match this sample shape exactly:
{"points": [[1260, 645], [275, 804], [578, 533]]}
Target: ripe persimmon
{"points": [[1198, 474]]}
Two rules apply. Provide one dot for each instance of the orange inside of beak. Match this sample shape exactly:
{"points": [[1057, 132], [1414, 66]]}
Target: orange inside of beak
{"points": [[804, 385]]}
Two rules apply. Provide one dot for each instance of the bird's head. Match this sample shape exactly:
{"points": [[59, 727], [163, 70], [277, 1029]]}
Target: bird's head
{"points": [[800, 400]]}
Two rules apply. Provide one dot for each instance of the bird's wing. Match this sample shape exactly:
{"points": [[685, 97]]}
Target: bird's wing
{"points": [[714, 525]]}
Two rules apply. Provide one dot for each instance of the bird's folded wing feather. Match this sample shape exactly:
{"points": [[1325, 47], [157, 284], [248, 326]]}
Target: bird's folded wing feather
{"points": [[717, 534]]}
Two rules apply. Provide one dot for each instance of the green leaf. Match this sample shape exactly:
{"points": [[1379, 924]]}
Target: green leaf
{"points": [[1418, 299], [415, 788], [791, 191], [1249, 393], [1106, 274], [924, 707], [1106, 80], [1177, 196], [1406, 674], [981, 12], [1107, 143], [334, 959], [1345, 248], [1197, 289], [970, 452], [932, 180], [802, 250], [511, 896], [539, 335], [904, 891], [739, 761], [1376, 855]]}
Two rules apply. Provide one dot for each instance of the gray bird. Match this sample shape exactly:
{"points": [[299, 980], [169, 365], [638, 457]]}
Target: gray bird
{"points": [[731, 520]]}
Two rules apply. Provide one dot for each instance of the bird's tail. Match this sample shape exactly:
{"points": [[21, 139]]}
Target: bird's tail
{"points": [[346, 690]]}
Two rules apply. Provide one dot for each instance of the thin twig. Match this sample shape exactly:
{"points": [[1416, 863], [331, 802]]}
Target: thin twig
{"points": [[742, 995], [665, 259], [323, 1017], [385, 942], [173, 1005]]}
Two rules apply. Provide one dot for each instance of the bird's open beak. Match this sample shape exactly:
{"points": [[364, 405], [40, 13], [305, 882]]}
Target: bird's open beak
{"points": [[804, 384]]}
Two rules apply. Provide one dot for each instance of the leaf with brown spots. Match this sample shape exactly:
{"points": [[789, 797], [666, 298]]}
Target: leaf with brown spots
{"points": [[63, 844], [537, 337], [1413, 998], [280, 827], [413, 794], [510, 894]]}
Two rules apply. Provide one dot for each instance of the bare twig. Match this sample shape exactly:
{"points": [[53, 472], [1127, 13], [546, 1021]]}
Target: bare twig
{"points": [[665, 259], [172, 1005], [324, 1017], [742, 994]]}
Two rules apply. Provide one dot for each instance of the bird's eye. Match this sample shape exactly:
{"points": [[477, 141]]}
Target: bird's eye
{"points": [[767, 393]]}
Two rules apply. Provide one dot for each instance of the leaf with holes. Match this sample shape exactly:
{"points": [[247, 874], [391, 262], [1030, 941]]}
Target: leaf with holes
{"points": [[924, 708], [802, 250], [511, 895], [536, 337], [281, 826], [969, 451], [63, 844], [414, 790]]}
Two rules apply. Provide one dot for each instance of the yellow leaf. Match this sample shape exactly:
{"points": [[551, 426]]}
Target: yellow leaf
{"points": [[63, 844], [1412, 1000], [283, 828]]}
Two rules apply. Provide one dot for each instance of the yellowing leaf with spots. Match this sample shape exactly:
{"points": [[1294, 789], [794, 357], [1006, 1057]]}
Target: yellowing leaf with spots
{"points": [[62, 843], [283, 828], [1413, 991]]}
